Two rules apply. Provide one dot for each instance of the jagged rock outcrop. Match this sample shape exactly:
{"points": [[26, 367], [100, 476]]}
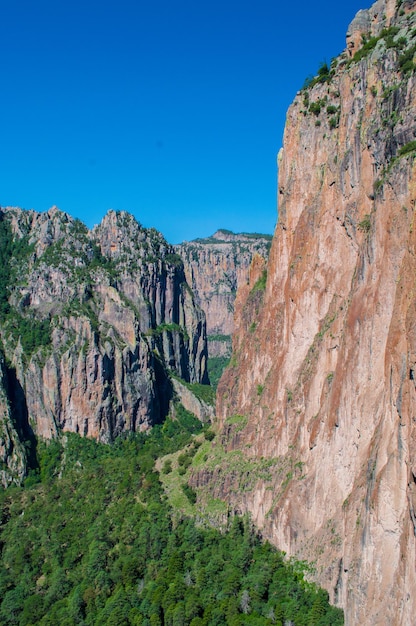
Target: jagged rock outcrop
{"points": [[93, 321], [215, 268], [322, 379]]}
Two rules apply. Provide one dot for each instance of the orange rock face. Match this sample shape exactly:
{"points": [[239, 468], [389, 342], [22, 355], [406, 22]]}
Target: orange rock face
{"points": [[324, 357]]}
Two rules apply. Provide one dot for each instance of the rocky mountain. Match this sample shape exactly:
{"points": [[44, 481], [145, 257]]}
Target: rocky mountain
{"points": [[215, 268], [321, 386], [93, 324]]}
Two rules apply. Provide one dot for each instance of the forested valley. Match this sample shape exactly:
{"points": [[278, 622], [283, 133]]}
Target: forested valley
{"points": [[90, 538]]}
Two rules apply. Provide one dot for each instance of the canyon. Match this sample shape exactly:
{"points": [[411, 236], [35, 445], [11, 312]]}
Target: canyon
{"points": [[102, 331], [215, 268]]}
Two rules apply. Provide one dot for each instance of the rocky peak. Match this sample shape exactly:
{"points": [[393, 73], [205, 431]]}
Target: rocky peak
{"points": [[371, 22], [121, 237], [118, 232]]}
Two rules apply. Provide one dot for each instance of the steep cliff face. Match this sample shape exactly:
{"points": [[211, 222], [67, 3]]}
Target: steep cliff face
{"points": [[322, 379], [92, 322], [215, 268], [13, 457]]}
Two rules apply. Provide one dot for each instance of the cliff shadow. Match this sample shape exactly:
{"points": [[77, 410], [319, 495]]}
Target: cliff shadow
{"points": [[20, 418], [163, 392]]}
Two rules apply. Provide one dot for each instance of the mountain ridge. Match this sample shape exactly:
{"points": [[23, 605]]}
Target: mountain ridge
{"points": [[92, 324]]}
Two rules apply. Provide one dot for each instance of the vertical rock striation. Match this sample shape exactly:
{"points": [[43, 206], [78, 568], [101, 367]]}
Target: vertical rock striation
{"points": [[325, 385], [215, 268], [93, 322]]}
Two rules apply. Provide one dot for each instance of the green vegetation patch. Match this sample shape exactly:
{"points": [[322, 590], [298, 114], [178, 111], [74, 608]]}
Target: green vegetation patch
{"points": [[365, 224], [408, 148], [167, 328], [77, 308], [32, 332], [260, 284], [173, 259], [206, 393], [216, 367], [406, 60], [239, 421], [244, 471], [368, 45], [221, 338], [324, 75], [12, 252], [391, 41]]}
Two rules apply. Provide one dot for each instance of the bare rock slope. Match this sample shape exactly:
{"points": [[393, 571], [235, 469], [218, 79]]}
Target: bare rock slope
{"points": [[321, 385]]}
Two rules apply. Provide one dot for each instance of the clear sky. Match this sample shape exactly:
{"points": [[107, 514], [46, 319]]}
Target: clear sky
{"points": [[170, 109]]}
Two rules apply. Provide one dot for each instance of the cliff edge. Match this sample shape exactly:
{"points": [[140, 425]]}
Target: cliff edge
{"points": [[321, 384]]}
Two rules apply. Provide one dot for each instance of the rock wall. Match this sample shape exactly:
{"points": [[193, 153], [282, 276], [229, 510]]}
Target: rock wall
{"points": [[322, 379], [215, 268], [13, 459], [95, 321]]}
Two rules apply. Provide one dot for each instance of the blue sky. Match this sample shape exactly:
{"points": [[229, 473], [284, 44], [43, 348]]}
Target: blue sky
{"points": [[171, 110]]}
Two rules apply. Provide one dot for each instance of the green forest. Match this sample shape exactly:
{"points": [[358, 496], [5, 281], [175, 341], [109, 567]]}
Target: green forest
{"points": [[91, 539]]}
